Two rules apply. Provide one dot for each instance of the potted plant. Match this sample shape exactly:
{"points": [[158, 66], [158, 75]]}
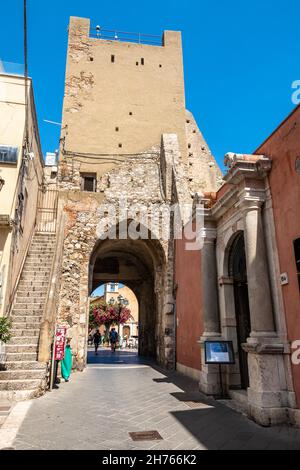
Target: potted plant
{"points": [[5, 336]]}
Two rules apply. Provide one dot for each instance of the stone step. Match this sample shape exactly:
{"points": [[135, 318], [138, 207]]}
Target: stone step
{"points": [[44, 236], [27, 284], [28, 300], [23, 384], [20, 395], [36, 277], [31, 374], [37, 262], [31, 289], [37, 251], [21, 357], [40, 267], [49, 243], [25, 326], [32, 309], [34, 298], [34, 264], [24, 291], [24, 340], [21, 348], [27, 305], [29, 332], [25, 365], [34, 295], [47, 258], [40, 245], [26, 319], [40, 252], [35, 270], [47, 253]]}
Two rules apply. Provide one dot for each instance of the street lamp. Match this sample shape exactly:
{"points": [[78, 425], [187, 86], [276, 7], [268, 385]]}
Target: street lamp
{"points": [[122, 303]]}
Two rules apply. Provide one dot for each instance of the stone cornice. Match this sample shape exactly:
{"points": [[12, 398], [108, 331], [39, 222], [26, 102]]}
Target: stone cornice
{"points": [[251, 199], [209, 234], [246, 166], [264, 348]]}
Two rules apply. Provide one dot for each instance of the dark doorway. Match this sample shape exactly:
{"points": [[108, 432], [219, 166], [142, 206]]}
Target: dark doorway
{"points": [[238, 272]]}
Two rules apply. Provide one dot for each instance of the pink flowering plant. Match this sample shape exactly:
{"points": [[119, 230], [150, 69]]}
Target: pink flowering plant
{"points": [[109, 315]]}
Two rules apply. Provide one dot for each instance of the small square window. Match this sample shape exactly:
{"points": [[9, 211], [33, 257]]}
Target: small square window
{"points": [[89, 182]]}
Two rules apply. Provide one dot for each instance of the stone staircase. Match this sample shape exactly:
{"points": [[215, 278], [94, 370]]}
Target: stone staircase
{"points": [[24, 377]]}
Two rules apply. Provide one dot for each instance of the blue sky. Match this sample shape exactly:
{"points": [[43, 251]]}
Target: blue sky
{"points": [[240, 58]]}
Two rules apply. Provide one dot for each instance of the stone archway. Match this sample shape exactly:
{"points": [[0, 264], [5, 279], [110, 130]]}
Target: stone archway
{"points": [[144, 266], [140, 265]]}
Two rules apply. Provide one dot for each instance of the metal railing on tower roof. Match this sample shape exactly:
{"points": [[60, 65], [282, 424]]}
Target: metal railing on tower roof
{"points": [[123, 36]]}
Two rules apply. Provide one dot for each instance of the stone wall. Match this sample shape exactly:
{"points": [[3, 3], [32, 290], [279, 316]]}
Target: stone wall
{"points": [[124, 120], [138, 180]]}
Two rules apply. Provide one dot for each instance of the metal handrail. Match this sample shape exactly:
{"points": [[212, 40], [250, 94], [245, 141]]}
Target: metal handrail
{"points": [[115, 35]]}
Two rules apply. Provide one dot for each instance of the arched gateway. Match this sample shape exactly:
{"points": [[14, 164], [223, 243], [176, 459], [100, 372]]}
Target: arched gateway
{"points": [[141, 265], [129, 153]]}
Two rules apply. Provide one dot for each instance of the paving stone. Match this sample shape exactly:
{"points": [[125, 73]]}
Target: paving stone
{"points": [[98, 408]]}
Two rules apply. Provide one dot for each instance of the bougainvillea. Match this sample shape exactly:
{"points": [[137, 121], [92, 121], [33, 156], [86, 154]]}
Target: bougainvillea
{"points": [[108, 315]]}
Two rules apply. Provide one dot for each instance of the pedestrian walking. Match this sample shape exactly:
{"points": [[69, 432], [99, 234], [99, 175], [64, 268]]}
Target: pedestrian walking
{"points": [[66, 363], [97, 341], [113, 336]]}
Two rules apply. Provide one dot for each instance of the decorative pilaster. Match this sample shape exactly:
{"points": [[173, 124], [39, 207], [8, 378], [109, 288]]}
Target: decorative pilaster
{"points": [[209, 284], [262, 321], [267, 397], [209, 375]]}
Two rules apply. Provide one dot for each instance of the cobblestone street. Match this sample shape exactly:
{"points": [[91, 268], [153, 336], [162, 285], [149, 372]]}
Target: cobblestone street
{"points": [[118, 394]]}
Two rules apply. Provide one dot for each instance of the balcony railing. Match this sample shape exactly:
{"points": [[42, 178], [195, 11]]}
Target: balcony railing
{"points": [[138, 38]]}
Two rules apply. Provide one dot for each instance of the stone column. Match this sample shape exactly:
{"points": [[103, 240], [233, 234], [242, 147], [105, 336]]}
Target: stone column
{"points": [[267, 395], [209, 285], [262, 321], [209, 375]]}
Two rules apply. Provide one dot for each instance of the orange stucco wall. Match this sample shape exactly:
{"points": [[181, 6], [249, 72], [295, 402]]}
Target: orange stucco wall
{"points": [[283, 146], [188, 305]]}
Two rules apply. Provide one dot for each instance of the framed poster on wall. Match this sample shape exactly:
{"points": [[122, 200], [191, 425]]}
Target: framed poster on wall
{"points": [[219, 352]]}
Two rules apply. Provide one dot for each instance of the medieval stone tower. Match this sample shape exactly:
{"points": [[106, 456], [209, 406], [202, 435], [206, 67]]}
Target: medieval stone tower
{"points": [[126, 135]]}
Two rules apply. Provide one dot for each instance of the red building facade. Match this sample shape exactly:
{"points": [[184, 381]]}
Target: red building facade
{"points": [[243, 285]]}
